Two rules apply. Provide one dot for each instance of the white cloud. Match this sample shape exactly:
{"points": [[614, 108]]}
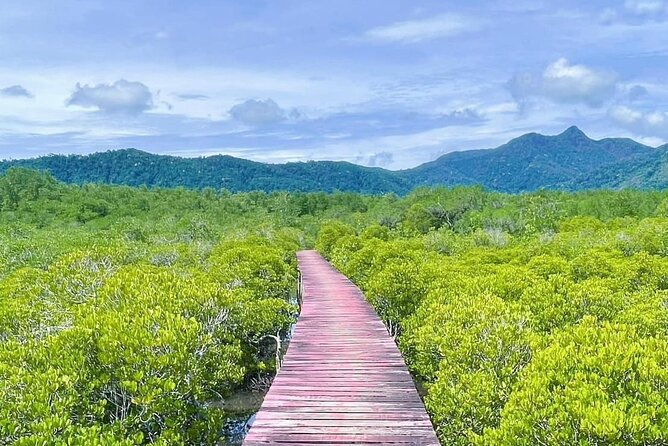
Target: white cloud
{"points": [[652, 124], [15, 91], [501, 107], [563, 82], [120, 97], [463, 116], [258, 112], [636, 12], [566, 83], [413, 31], [625, 115]]}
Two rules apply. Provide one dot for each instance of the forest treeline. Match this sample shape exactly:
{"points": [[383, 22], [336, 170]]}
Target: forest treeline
{"points": [[568, 161], [129, 315]]}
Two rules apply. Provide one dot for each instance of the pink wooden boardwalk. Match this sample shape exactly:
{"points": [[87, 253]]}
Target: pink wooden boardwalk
{"points": [[343, 380]]}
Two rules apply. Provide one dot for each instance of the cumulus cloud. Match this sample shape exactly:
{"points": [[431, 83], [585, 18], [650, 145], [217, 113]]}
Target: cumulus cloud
{"points": [[15, 91], [643, 123], [258, 112], [126, 97], [566, 83], [413, 31], [563, 82]]}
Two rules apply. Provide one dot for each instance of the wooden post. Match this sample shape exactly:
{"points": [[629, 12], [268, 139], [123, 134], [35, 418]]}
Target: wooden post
{"points": [[300, 289]]}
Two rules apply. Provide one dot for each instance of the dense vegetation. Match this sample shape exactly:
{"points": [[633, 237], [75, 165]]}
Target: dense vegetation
{"points": [[569, 161], [531, 320], [129, 315]]}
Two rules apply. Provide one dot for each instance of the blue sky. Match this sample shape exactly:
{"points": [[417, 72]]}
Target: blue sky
{"points": [[381, 83]]}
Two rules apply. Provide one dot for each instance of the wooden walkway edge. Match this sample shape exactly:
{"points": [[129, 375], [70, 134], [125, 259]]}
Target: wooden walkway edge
{"points": [[343, 380]]}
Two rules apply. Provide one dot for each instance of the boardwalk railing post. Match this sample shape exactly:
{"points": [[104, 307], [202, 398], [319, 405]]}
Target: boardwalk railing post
{"points": [[279, 346], [300, 289]]}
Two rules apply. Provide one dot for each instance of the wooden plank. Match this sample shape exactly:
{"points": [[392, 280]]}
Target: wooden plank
{"points": [[343, 380]]}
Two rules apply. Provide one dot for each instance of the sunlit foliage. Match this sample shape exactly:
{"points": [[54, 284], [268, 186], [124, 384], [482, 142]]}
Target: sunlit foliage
{"points": [[529, 320]]}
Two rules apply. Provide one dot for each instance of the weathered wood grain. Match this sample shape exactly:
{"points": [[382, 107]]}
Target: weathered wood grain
{"points": [[343, 380]]}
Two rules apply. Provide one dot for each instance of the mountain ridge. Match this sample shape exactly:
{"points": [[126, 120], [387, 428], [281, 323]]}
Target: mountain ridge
{"points": [[570, 160]]}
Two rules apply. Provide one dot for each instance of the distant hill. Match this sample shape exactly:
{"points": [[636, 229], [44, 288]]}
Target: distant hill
{"points": [[135, 168], [532, 161], [646, 172], [569, 160]]}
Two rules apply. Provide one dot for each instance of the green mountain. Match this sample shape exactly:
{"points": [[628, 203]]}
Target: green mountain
{"points": [[135, 168], [569, 160], [645, 172], [530, 162]]}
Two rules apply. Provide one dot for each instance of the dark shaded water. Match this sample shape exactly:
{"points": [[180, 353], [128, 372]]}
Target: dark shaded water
{"points": [[246, 403], [235, 430], [243, 405]]}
